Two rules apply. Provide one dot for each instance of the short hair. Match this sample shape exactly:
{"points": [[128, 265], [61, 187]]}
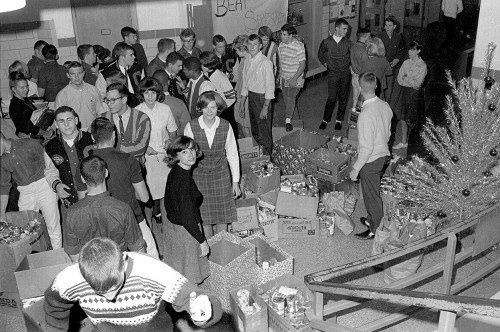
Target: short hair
{"points": [[375, 47], [165, 44], [121, 48], [192, 64], [240, 43], [368, 81], [187, 33], [16, 76], [391, 19], [40, 44], [177, 145], [415, 45], [74, 64], [341, 21], [265, 31], [121, 88], [66, 64], [161, 76], [116, 76], [208, 96], [218, 39], [19, 66], [101, 264], [210, 60], [102, 130], [64, 109], [93, 170], [362, 31], [101, 52], [151, 84], [173, 57], [83, 50], [125, 31], [254, 36], [289, 28], [49, 52]]}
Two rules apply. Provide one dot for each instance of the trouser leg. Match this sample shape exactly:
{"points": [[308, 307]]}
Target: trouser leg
{"points": [[290, 99], [370, 176], [263, 127], [332, 98], [343, 84]]}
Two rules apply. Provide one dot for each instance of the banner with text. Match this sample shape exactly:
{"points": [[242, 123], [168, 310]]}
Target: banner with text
{"points": [[244, 17]]}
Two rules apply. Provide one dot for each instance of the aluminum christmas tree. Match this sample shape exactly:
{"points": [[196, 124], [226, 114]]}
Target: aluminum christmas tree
{"points": [[461, 177]]}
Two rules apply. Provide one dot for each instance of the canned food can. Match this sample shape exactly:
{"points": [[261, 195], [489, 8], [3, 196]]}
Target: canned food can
{"points": [[278, 303]]}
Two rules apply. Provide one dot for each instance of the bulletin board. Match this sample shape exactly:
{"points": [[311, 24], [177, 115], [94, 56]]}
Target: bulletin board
{"points": [[236, 17], [342, 9]]}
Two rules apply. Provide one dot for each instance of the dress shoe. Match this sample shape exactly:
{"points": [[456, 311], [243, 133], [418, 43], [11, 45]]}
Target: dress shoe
{"points": [[400, 146], [288, 127], [364, 221], [338, 125], [323, 124], [366, 235]]}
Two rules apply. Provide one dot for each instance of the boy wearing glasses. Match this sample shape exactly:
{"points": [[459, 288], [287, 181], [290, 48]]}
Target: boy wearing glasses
{"points": [[188, 38], [123, 291]]}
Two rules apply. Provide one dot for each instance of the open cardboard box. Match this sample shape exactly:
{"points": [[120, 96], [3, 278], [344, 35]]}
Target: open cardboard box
{"points": [[279, 132], [262, 184], [257, 322], [335, 170], [298, 206], [249, 149], [247, 214]]}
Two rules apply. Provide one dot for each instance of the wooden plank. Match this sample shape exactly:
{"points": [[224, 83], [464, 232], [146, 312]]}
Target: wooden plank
{"points": [[469, 280], [449, 263], [487, 232], [465, 304], [329, 326], [446, 321]]}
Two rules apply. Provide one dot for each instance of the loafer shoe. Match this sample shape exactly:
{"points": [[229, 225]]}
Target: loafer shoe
{"points": [[364, 221], [366, 235], [338, 126], [322, 126], [400, 146], [288, 127]]}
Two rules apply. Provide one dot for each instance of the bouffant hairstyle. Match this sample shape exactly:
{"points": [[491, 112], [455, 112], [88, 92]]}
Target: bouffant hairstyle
{"points": [[177, 145]]}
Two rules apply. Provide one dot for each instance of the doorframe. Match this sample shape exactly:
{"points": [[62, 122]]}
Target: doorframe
{"points": [[133, 16]]}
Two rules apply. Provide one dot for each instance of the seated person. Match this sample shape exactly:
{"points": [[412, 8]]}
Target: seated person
{"points": [[122, 291]]}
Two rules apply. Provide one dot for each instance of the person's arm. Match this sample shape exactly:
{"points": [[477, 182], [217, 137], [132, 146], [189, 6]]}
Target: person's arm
{"points": [[300, 70], [322, 54], [22, 124], [233, 158], [187, 131], [417, 77], [4, 201], [267, 66], [133, 235], [100, 84], [460, 6], [141, 191], [41, 92], [57, 309], [51, 174], [401, 52], [139, 143], [5, 185], [366, 137]]}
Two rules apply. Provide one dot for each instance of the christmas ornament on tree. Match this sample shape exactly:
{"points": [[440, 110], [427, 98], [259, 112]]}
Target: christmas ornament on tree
{"points": [[470, 134], [492, 107]]}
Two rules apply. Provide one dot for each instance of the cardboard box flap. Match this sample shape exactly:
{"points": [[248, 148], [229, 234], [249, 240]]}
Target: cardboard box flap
{"points": [[247, 143], [247, 214], [304, 139], [223, 252]]}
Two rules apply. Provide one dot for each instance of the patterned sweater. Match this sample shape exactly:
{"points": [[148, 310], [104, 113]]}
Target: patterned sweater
{"points": [[147, 282]]}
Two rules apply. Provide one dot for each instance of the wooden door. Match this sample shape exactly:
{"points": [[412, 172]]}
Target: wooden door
{"points": [[100, 22], [371, 15]]}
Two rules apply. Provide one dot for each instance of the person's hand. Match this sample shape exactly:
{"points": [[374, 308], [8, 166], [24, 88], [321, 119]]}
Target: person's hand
{"points": [[292, 82], [242, 109], [394, 62], [180, 82], [150, 151], [94, 71], [61, 190], [200, 309], [205, 249], [263, 113], [354, 175], [236, 190]]}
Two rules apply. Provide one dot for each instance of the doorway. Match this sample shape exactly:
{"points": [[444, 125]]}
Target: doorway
{"points": [[100, 22]]}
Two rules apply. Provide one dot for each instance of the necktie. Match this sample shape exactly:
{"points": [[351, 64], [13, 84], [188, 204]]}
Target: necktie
{"points": [[122, 129], [172, 86]]}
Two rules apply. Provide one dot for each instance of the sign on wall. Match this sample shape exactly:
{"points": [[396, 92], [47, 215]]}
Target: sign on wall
{"points": [[236, 17]]}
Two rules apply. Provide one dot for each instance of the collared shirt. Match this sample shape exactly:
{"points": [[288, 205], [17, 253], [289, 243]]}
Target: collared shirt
{"points": [[258, 76], [231, 148], [290, 56], [374, 130], [101, 216], [129, 83], [34, 66], [162, 122], [53, 79], [85, 101], [125, 117], [24, 163]]}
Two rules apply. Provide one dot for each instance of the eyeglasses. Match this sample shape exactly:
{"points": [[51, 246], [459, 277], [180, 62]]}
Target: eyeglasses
{"points": [[111, 100]]}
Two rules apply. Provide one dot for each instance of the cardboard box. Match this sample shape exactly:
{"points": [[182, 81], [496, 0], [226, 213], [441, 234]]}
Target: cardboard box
{"points": [[270, 227], [248, 148], [353, 134], [289, 153], [269, 251], [297, 206], [256, 322], [336, 170], [278, 323], [269, 199], [279, 132], [298, 228], [33, 276], [262, 184], [245, 164], [11, 255], [248, 216]]}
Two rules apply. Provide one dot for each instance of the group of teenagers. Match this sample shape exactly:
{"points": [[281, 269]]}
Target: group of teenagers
{"points": [[114, 146], [130, 134]]}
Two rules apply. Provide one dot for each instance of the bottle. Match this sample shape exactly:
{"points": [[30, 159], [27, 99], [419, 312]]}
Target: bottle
{"points": [[258, 258], [300, 16]]}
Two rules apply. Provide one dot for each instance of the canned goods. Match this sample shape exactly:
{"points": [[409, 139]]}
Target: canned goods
{"points": [[278, 303]]}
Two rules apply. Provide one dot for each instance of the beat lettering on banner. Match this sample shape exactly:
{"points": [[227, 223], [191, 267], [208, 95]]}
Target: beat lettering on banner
{"points": [[236, 17]]}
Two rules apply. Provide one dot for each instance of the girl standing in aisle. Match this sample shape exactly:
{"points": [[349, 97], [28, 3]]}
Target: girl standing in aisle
{"points": [[186, 247], [218, 145]]}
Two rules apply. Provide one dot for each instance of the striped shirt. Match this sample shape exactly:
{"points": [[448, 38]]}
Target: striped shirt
{"points": [[290, 56], [223, 86]]}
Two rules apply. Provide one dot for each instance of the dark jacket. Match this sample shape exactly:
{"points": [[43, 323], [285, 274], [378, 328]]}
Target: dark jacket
{"points": [[154, 65], [134, 74], [56, 151], [336, 56], [395, 48], [20, 112]]}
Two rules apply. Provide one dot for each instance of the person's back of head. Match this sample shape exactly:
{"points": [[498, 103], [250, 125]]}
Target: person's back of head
{"points": [[101, 52], [83, 50], [363, 33], [115, 76], [102, 264], [50, 52], [40, 44], [19, 66], [210, 60], [375, 47], [165, 45], [368, 83], [102, 130], [192, 64], [240, 43], [162, 77], [93, 170]]}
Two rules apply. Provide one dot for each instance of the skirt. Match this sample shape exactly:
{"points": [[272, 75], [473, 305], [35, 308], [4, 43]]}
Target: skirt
{"points": [[156, 175], [182, 253]]}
